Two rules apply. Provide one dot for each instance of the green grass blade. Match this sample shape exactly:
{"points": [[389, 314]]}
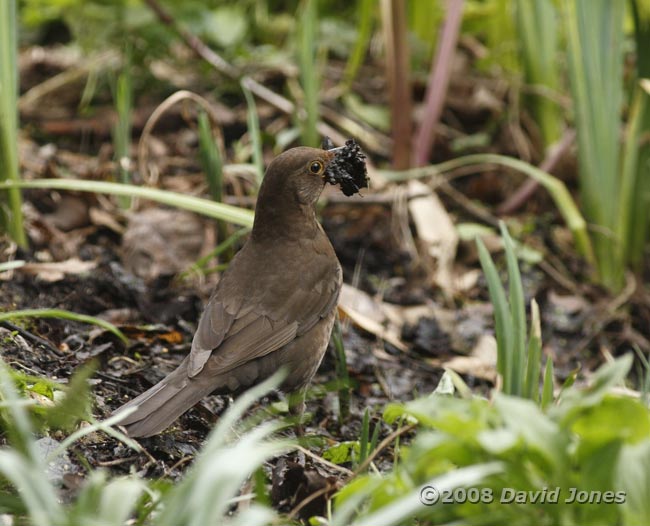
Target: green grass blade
{"points": [[533, 364], [342, 374], [502, 321], [64, 315], [548, 387], [122, 128], [517, 314], [201, 264], [254, 131], [232, 214], [595, 43], [11, 216], [365, 437], [554, 186], [635, 180], [211, 160], [537, 31], [365, 20], [212, 164], [641, 16]]}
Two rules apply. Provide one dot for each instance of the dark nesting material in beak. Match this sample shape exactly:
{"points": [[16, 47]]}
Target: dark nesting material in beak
{"points": [[347, 168]]}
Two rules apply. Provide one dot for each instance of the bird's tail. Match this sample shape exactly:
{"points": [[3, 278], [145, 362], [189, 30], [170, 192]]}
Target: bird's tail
{"points": [[158, 407]]}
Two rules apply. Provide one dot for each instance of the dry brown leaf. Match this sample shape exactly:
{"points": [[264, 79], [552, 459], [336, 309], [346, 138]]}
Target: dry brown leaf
{"points": [[159, 241], [56, 270], [362, 303], [366, 313], [436, 232], [101, 217], [481, 362]]}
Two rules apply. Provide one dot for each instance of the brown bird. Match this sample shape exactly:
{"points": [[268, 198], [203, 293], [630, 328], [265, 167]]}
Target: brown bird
{"points": [[275, 304]]}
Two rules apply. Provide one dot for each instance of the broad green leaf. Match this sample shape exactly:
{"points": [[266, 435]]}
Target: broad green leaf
{"points": [[633, 478]]}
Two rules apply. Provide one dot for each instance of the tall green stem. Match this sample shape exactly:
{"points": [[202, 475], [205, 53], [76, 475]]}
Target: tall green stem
{"points": [[11, 217]]}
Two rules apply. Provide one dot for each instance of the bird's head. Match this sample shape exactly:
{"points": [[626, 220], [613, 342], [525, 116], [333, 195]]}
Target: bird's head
{"points": [[295, 179], [297, 175]]}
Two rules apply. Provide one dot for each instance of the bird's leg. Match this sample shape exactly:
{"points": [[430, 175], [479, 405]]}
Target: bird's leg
{"points": [[296, 403]]}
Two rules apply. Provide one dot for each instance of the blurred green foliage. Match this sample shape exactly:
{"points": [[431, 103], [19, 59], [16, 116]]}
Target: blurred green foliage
{"points": [[592, 440]]}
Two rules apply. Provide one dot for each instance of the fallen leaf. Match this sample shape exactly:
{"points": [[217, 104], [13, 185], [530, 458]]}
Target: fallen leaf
{"points": [[366, 313], [436, 233], [56, 270], [481, 362]]}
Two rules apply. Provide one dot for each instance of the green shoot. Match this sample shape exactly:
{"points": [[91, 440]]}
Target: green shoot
{"points": [[64, 315], [254, 132], [341, 371], [122, 128], [11, 216], [232, 214]]}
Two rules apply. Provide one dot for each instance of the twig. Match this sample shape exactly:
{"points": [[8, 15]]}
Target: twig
{"points": [[193, 41], [329, 487], [347, 472], [557, 276], [116, 462], [32, 337], [382, 445], [528, 188], [219, 63], [470, 206], [182, 461], [607, 313]]}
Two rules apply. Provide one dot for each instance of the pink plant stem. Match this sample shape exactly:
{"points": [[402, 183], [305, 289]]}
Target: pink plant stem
{"points": [[438, 81]]}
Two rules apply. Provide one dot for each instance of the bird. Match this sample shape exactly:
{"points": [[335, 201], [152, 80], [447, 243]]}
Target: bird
{"points": [[274, 306]]}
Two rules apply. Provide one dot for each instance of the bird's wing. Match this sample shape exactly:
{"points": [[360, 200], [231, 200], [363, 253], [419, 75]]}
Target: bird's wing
{"points": [[237, 327]]}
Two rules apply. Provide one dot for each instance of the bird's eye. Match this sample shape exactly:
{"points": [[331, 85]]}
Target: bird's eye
{"points": [[316, 167]]}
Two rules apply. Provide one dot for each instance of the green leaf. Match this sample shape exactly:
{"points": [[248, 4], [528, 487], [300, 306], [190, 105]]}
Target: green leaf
{"points": [[595, 39], [76, 403], [470, 231], [574, 399], [533, 362], [539, 432], [517, 315], [445, 413], [614, 418], [502, 321], [342, 452], [633, 478], [548, 387], [42, 388]]}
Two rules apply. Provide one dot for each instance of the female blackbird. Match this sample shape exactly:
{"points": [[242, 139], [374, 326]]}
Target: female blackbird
{"points": [[273, 307]]}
